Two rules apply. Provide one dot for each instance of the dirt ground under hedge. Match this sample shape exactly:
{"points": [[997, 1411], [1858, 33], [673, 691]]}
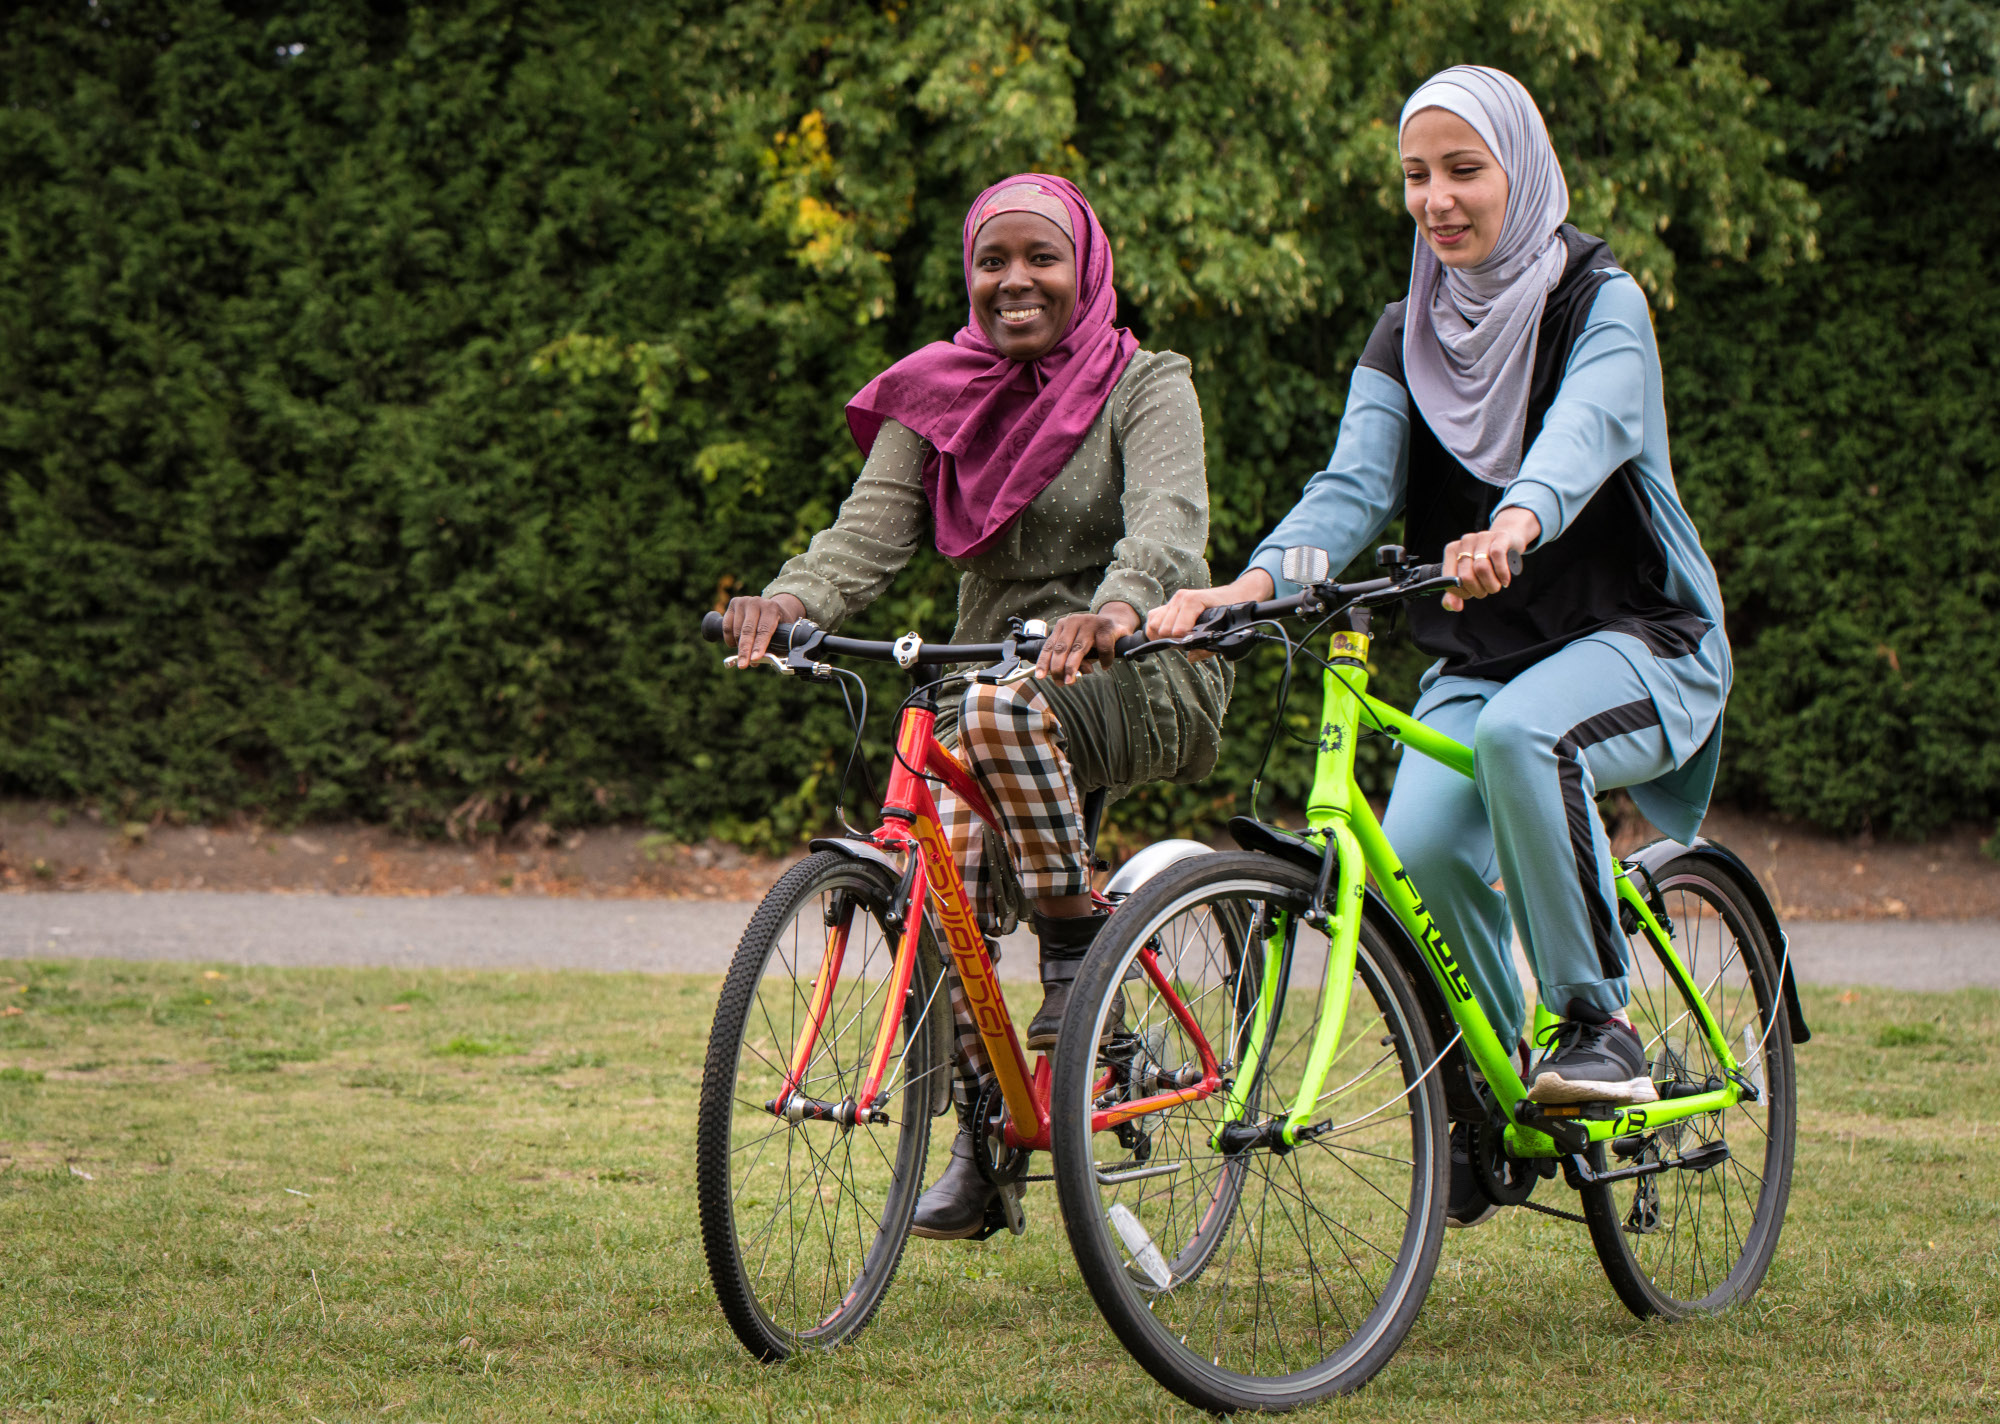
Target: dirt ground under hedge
{"points": [[50, 848]]}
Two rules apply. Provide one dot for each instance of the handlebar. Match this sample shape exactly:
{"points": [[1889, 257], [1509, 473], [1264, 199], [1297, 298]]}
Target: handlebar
{"points": [[1218, 622], [1222, 620], [929, 654]]}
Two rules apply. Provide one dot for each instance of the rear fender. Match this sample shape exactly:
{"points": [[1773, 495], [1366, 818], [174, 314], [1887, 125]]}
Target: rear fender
{"points": [[1649, 860], [1145, 864], [930, 965]]}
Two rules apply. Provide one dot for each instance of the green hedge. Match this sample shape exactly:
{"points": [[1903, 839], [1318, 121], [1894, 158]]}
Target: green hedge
{"points": [[1835, 432], [385, 394]]}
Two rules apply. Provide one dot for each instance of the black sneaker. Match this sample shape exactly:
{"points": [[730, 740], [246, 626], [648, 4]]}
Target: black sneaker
{"points": [[1591, 1058], [1467, 1205]]}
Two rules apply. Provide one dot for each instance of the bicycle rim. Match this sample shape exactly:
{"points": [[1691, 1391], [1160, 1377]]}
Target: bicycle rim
{"points": [[1687, 1242], [804, 1221], [1260, 1280]]}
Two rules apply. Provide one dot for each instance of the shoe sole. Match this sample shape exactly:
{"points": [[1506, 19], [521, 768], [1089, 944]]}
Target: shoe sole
{"points": [[1492, 1210], [1548, 1088], [929, 1235]]}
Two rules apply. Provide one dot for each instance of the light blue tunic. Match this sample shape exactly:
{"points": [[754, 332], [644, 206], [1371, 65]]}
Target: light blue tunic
{"points": [[1609, 409]]}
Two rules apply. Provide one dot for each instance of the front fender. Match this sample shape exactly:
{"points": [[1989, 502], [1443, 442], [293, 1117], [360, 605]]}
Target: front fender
{"points": [[858, 850], [1651, 859]]}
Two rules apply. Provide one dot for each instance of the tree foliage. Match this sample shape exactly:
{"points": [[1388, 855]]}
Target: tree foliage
{"points": [[384, 395]]}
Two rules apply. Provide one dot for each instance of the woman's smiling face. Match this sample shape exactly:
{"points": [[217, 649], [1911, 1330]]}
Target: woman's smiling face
{"points": [[1023, 284], [1453, 186]]}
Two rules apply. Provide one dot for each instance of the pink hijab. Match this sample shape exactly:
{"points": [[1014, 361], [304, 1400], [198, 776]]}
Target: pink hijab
{"points": [[1002, 430]]}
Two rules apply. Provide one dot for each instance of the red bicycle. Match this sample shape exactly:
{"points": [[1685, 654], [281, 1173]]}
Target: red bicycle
{"points": [[831, 1049]]}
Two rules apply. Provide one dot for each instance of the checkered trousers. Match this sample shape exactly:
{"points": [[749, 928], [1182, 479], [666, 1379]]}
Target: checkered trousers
{"points": [[1008, 738]]}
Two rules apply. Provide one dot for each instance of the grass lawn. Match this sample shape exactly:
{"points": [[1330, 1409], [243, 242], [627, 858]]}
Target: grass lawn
{"points": [[296, 1194]]}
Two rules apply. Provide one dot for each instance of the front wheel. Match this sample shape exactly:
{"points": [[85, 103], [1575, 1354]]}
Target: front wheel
{"points": [[1686, 1242], [1243, 1277], [804, 1213]]}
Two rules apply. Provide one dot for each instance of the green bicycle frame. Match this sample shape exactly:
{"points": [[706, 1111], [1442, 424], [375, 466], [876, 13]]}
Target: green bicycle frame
{"points": [[1340, 818]]}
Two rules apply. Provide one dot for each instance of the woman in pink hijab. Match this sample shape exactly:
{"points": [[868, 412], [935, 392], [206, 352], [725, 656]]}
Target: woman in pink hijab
{"points": [[1059, 467]]}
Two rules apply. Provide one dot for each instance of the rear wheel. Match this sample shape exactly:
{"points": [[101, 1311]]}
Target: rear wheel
{"points": [[1685, 1242], [804, 1215], [1252, 1278]]}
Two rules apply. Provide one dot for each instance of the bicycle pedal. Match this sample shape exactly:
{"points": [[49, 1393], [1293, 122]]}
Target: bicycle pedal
{"points": [[1003, 1213], [1702, 1158]]}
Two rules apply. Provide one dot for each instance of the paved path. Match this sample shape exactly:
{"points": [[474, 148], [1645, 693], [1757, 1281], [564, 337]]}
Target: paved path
{"points": [[697, 936]]}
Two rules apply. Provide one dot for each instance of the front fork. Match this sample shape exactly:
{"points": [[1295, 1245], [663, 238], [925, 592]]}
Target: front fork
{"points": [[1335, 908]]}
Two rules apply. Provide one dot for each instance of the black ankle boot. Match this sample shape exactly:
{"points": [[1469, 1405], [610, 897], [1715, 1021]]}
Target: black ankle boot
{"points": [[955, 1206], [1065, 940]]}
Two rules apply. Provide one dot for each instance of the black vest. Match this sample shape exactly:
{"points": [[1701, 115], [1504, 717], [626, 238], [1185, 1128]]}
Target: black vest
{"points": [[1607, 571]]}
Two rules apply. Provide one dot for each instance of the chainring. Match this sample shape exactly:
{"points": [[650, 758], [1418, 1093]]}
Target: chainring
{"points": [[1505, 1180]]}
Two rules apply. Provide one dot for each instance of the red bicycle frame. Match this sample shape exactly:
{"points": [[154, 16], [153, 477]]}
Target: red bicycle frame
{"points": [[911, 828]]}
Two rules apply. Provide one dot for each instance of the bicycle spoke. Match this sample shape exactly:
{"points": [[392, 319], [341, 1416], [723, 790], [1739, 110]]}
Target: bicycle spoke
{"points": [[1275, 1259], [1691, 1240]]}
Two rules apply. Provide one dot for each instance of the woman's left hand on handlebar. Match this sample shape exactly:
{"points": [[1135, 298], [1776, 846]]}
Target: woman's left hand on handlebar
{"points": [[1479, 561], [751, 620], [1080, 638]]}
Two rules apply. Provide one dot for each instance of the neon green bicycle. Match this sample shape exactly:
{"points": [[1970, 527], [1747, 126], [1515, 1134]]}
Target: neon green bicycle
{"points": [[1270, 1243]]}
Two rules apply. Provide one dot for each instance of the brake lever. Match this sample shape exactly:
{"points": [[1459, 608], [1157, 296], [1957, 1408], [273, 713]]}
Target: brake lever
{"points": [[1227, 628], [799, 661], [1012, 667]]}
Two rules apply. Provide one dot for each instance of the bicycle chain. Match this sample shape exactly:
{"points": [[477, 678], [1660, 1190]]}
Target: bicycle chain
{"points": [[1556, 1211]]}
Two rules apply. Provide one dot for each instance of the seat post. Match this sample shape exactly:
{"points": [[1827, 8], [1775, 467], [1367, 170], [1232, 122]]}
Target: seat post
{"points": [[1093, 817]]}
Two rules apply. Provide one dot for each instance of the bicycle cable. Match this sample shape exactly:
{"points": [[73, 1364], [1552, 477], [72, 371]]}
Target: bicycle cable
{"points": [[1285, 690], [1278, 712], [896, 748], [860, 724]]}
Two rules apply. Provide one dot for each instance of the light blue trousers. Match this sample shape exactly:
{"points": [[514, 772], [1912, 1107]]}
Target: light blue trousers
{"points": [[1545, 746]]}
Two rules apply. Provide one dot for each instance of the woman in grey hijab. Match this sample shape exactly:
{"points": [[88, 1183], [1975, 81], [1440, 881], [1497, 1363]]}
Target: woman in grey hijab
{"points": [[1511, 404]]}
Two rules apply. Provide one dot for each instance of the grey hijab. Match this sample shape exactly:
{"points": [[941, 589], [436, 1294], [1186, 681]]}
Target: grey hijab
{"points": [[1469, 333]]}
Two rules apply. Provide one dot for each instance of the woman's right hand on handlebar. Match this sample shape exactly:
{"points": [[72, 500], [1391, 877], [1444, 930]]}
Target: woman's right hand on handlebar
{"points": [[751, 619], [1177, 616]]}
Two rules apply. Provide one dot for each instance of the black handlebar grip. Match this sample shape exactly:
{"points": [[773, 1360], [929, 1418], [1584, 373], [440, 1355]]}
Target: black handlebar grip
{"points": [[711, 627], [1125, 645], [1424, 573]]}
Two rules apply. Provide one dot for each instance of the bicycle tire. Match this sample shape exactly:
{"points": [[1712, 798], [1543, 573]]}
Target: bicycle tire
{"points": [[852, 1251], [1322, 1340], [1649, 1233]]}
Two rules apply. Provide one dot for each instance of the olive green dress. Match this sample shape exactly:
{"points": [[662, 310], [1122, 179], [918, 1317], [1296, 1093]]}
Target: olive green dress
{"points": [[1125, 521]]}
